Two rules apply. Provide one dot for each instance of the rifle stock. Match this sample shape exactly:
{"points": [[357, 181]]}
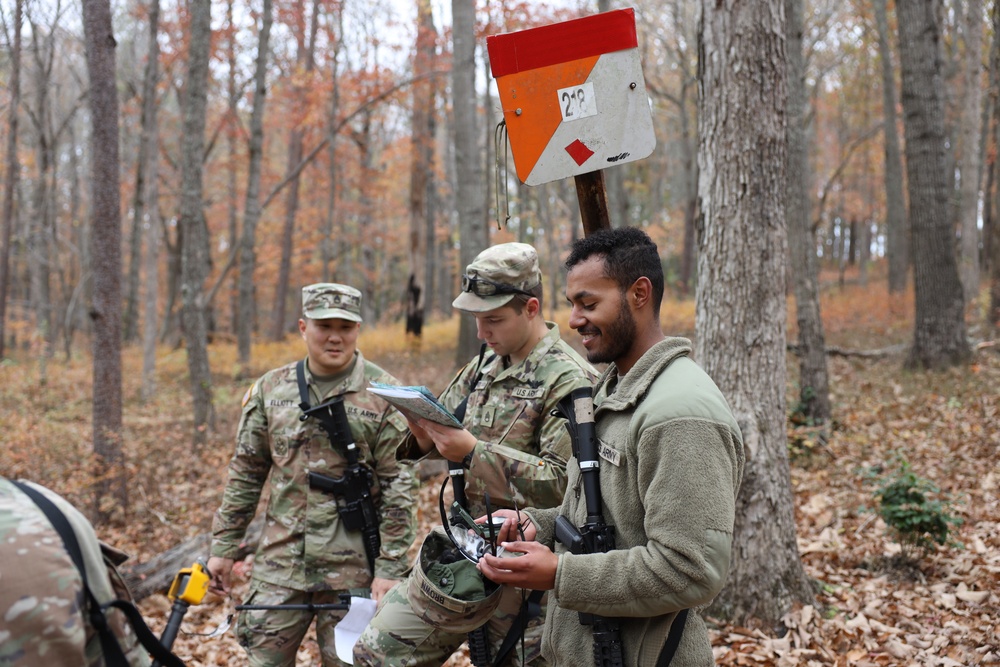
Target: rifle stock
{"points": [[594, 536]]}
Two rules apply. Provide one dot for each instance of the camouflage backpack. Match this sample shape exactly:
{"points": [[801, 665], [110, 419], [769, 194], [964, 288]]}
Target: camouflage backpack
{"points": [[94, 611]]}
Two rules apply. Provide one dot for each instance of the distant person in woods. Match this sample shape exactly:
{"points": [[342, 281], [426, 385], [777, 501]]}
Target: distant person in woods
{"points": [[511, 448], [306, 553], [45, 616], [670, 457]]}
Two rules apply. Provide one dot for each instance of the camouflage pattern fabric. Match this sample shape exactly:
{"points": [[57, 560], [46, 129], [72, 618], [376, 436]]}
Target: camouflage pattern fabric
{"points": [[272, 638], [520, 460], [304, 546], [41, 591], [521, 453]]}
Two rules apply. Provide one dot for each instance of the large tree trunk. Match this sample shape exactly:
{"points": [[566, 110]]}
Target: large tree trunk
{"points": [[194, 240], [939, 338], [814, 388], [740, 304], [421, 167], [146, 146], [13, 169], [107, 260], [473, 234], [971, 155], [251, 214], [897, 232]]}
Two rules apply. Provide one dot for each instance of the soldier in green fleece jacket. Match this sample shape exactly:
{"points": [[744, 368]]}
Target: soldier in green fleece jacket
{"points": [[671, 464]]}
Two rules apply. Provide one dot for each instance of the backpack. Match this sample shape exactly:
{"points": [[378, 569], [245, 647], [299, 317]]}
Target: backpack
{"points": [[94, 611]]}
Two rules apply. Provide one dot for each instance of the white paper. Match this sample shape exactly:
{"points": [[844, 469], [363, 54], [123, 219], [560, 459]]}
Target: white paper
{"points": [[348, 631]]}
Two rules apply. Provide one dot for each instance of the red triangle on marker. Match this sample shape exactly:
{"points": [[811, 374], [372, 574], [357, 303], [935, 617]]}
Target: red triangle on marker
{"points": [[579, 152]]}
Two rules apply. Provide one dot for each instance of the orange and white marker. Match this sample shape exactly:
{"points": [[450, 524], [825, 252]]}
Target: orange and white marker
{"points": [[573, 96]]}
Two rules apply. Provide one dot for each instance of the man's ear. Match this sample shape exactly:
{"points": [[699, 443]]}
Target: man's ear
{"points": [[533, 306], [640, 292], [302, 327]]}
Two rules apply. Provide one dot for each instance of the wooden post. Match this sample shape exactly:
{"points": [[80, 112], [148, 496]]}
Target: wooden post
{"points": [[593, 200]]}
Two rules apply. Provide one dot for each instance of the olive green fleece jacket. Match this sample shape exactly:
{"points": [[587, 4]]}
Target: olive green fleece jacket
{"points": [[671, 464]]}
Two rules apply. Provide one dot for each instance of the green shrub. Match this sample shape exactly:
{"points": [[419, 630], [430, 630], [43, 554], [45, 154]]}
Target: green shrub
{"points": [[909, 506]]}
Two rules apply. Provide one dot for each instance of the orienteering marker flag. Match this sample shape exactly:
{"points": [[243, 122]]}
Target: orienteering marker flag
{"points": [[573, 96]]}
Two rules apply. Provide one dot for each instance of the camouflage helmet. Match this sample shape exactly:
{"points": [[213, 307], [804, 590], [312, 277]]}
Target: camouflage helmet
{"points": [[446, 590]]}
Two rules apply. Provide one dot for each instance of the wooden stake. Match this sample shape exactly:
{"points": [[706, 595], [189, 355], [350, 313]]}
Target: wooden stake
{"points": [[593, 201]]}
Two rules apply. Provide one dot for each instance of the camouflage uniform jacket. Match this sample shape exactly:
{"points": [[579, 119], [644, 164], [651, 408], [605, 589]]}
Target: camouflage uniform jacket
{"points": [[521, 450], [304, 544], [41, 591]]}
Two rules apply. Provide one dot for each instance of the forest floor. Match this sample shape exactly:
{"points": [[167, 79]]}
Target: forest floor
{"points": [[869, 609]]}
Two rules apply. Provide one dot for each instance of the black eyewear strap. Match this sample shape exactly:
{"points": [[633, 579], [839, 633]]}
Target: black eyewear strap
{"points": [[483, 287]]}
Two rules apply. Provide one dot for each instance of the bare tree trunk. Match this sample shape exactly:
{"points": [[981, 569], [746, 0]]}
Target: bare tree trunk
{"points": [[740, 303], [814, 387], [13, 169], [363, 139], [142, 163], [939, 338], [106, 224], [993, 315], [194, 240], [251, 213], [329, 247], [151, 224], [153, 231], [232, 137], [473, 233], [970, 165], [897, 232], [305, 53], [421, 167]]}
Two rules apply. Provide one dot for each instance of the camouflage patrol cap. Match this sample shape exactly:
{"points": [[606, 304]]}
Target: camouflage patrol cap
{"points": [[450, 593], [496, 275], [323, 301]]}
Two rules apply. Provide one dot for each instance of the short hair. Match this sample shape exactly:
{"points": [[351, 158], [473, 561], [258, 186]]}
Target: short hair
{"points": [[628, 253], [521, 300]]}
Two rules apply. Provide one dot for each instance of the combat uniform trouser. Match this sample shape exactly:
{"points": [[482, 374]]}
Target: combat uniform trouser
{"points": [[399, 637], [272, 638]]}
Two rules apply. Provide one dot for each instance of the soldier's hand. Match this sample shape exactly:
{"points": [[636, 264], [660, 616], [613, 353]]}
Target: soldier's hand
{"points": [[452, 443], [382, 586], [534, 569], [220, 569], [419, 434]]}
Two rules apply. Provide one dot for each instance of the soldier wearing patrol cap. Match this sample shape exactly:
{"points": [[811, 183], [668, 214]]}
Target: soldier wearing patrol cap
{"points": [[306, 554], [511, 447]]}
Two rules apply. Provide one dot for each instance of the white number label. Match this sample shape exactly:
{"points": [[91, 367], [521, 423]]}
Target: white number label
{"points": [[577, 102]]}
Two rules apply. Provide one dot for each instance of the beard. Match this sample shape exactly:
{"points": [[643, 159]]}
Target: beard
{"points": [[616, 338]]}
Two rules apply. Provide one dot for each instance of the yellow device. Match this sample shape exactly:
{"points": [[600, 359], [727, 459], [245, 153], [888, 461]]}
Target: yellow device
{"points": [[190, 584]]}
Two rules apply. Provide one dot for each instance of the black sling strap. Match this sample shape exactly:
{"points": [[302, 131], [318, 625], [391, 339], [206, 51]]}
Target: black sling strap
{"points": [[673, 639], [300, 377], [112, 651]]}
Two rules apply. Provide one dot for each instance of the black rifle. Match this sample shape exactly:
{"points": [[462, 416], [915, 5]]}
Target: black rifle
{"points": [[595, 536], [352, 490], [479, 641]]}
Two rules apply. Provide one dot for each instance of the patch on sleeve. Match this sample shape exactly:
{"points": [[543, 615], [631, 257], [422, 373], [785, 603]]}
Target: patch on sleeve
{"points": [[250, 392]]}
